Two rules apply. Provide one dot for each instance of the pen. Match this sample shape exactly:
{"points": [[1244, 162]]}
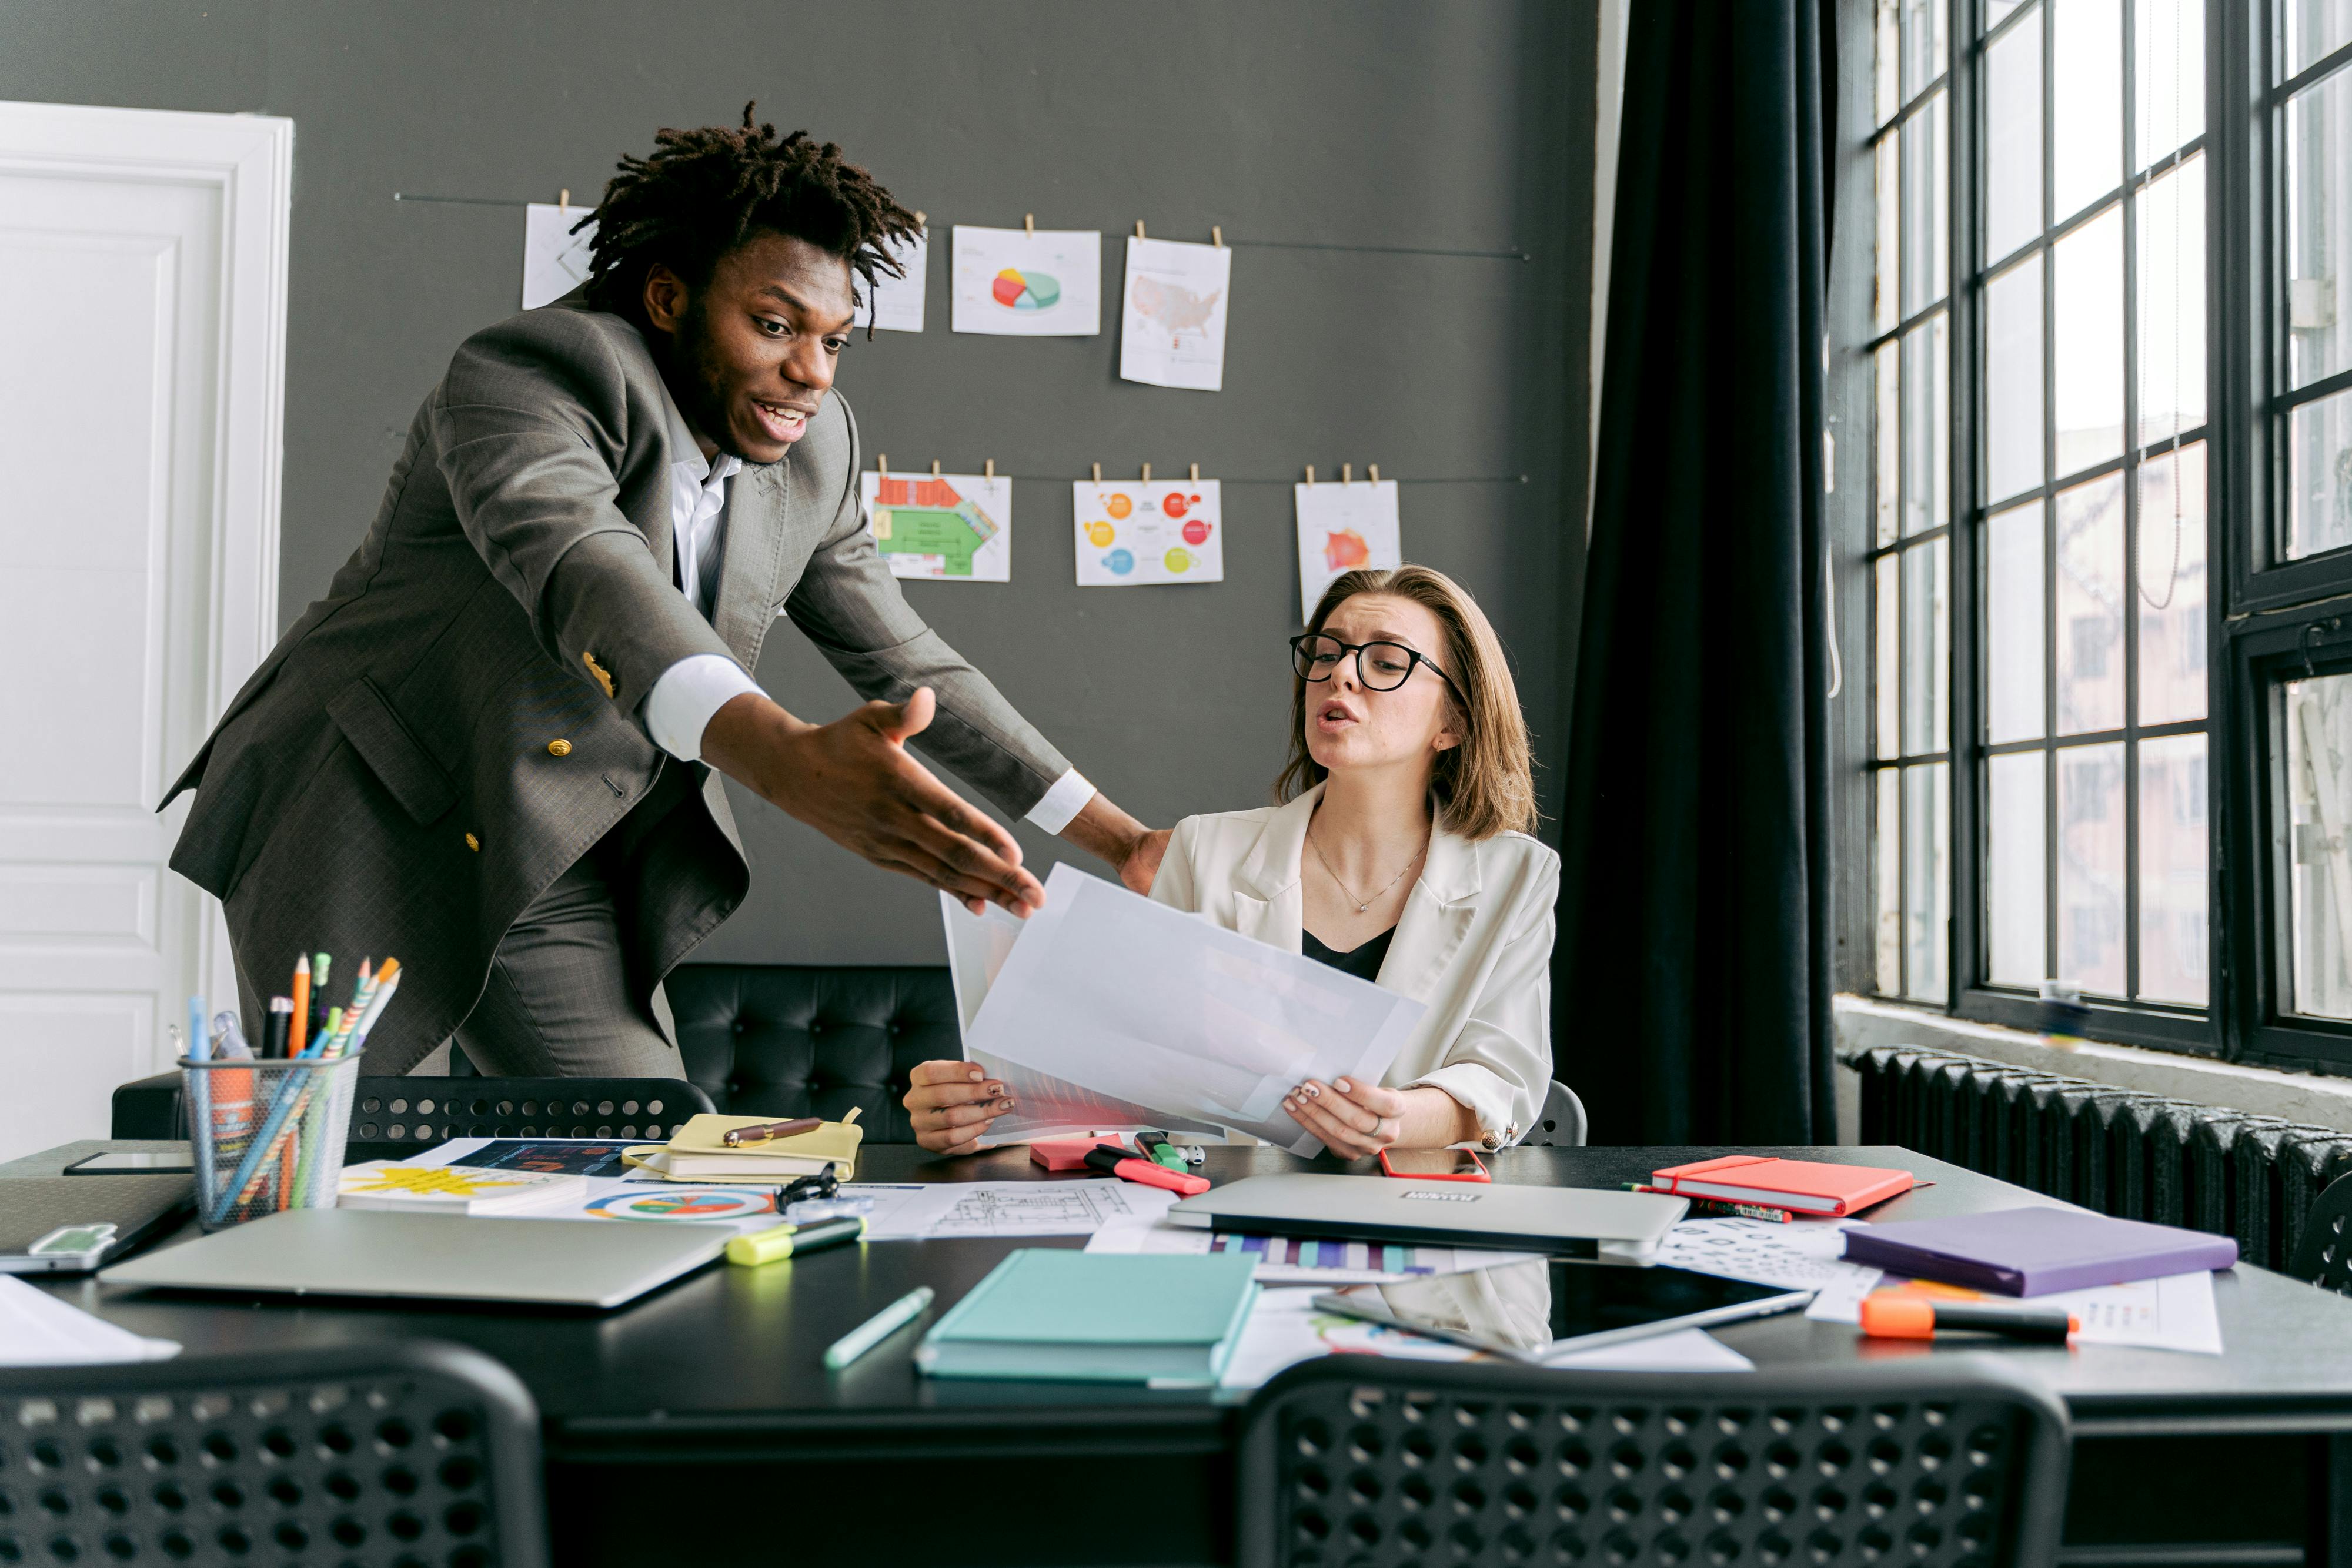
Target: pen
{"points": [[767, 1130], [878, 1328], [789, 1240], [1127, 1168], [1895, 1314], [273, 1040]]}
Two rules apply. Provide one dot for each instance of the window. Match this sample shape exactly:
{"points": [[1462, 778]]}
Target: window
{"points": [[2103, 359]]}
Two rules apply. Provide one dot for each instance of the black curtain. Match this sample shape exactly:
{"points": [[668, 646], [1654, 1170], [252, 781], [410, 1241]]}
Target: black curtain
{"points": [[1692, 979]]}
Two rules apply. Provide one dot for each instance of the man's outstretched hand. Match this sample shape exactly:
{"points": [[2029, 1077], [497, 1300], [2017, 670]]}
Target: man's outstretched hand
{"points": [[853, 782]]}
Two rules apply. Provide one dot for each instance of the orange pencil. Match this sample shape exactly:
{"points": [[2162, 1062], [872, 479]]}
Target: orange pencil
{"points": [[300, 1028]]}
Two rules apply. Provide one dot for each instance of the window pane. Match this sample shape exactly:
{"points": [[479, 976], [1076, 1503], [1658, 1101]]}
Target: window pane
{"points": [[1885, 851], [2315, 29], [2172, 881], [2171, 596], [2090, 607], [2091, 867], [2015, 883], [1887, 291], [2319, 475], [1995, 10], [1928, 880], [2013, 380], [2318, 716], [1886, 368], [2087, 140], [2168, 75], [1927, 262], [1927, 646], [2012, 140], [1889, 56], [1887, 687], [1923, 43], [2090, 347], [2318, 133], [2172, 303], [1926, 435], [2012, 655]]}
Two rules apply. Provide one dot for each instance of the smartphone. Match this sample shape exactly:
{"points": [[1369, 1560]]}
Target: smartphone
{"points": [[1434, 1165], [135, 1162]]}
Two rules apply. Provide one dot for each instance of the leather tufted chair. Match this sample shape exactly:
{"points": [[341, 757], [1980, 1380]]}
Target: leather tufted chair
{"points": [[813, 1041]]}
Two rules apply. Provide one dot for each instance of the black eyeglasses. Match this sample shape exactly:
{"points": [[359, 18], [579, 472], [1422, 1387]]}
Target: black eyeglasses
{"points": [[1381, 666]]}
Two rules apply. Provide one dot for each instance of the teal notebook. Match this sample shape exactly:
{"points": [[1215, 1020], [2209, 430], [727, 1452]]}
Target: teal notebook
{"points": [[1052, 1313]]}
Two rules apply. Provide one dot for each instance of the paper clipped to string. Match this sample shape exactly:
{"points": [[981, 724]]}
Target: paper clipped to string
{"points": [[1018, 283], [554, 259], [896, 304], [954, 527], [1135, 532], [1172, 318], [1343, 528]]}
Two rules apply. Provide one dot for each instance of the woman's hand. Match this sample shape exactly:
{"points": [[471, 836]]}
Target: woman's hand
{"points": [[952, 1105], [1353, 1118]]}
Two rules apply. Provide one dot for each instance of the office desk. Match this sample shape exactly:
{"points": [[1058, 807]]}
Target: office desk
{"points": [[709, 1397]]}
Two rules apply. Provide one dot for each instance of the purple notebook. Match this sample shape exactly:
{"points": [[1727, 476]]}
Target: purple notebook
{"points": [[2035, 1251]]}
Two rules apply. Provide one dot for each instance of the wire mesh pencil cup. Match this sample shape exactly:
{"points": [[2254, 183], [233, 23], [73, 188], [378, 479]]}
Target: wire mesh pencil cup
{"points": [[267, 1135]]}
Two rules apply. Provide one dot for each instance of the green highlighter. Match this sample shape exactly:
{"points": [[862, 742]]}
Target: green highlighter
{"points": [[1156, 1147]]}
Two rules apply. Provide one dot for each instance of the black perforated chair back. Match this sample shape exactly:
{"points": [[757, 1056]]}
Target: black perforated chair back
{"points": [[1361, 1461], [391, 1456], [2323, 1252], [425, 1111]]}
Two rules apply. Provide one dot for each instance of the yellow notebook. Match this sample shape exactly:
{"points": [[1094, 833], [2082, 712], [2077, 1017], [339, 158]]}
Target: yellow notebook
{"points": [[695, 1152]]}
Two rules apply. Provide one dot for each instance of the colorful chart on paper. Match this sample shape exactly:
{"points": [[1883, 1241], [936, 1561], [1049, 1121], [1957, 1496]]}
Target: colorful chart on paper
{"points": [[681, 1203], [955, 528], [1132, 534], [1024, 284]]}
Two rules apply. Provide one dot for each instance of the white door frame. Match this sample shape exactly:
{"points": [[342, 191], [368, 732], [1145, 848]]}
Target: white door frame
{"points": [[248, 159]]}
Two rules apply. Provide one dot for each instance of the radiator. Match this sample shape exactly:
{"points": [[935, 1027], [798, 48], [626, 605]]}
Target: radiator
{"points": [[2118, 1151]]}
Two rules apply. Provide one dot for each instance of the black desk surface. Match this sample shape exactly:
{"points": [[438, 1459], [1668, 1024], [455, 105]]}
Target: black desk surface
{"points": [[730, 1359]]}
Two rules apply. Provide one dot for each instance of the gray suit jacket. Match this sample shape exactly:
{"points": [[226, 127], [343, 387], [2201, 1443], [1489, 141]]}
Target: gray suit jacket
{"points": [[444, 734]]}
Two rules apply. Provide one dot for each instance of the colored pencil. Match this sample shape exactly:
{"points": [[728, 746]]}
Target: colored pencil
{"points": [[298, 1028]]}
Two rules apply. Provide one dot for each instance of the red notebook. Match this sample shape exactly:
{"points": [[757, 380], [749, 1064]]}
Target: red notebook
{"points": [[1807, 1186]]}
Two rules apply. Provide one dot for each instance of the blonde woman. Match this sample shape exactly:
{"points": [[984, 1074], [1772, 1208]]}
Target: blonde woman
{"points": [[1400, 853]]}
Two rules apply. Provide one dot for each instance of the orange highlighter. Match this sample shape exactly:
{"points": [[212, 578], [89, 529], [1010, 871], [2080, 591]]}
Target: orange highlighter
{"points": [[1127, 1168], [1895, 1314]]}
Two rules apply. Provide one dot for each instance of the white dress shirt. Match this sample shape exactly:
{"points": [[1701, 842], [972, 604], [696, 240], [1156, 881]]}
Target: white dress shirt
{"points": [[690, 691]]}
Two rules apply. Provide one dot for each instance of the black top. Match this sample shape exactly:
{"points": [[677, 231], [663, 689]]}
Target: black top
{"points": [[1362, 960]]}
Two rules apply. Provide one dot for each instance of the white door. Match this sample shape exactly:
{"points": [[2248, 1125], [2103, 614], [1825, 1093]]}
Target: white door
{"points": [[142, 308]]}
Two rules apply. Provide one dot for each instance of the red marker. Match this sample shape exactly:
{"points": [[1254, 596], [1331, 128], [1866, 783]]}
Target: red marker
{"points": [[1127, 1168]]}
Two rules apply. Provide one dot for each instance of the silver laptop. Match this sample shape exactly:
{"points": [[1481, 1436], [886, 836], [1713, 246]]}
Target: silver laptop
{"points": [[361, 1252], [1562, 1221]]}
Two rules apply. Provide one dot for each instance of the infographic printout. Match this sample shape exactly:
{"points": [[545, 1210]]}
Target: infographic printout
{"points": [[554, 259], [1341, 527], [957, 528], [1172, 321], [897, 303], [1135, 532], [1019, 284]]}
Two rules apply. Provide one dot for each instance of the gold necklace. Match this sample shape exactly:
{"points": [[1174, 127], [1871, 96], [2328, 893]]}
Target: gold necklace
{"points": [[1363, 903]]}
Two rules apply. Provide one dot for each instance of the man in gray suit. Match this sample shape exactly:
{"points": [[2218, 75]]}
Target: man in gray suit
{"points": [[489, 750]]}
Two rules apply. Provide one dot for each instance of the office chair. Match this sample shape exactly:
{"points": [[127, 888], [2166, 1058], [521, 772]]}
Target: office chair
{"points": [[409, 1451], [1361, 1459], [1561, 1124], [2323, 1254], [422, 1111]]}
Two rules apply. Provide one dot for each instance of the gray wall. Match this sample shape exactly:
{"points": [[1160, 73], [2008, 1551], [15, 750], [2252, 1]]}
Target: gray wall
{"points": [[1462, 124]]}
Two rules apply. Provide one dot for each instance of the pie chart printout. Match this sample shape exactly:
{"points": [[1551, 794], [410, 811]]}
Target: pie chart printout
{"points": [[1017, 291], [1020, 283]]}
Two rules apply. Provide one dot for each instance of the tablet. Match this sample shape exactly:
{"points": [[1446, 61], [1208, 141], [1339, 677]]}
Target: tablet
{"points": [[1543, 1307]]}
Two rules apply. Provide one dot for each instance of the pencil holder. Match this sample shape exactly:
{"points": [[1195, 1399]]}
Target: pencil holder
{"points": [[267, 1135]]}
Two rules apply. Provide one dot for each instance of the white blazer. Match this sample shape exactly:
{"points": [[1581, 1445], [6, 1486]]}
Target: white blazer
{"points": [[1473, 945]]}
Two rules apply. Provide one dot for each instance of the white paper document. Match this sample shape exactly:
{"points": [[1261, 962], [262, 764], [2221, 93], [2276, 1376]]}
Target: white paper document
{"points": [[2174, 1313], [935, 1210], [1802, 1255], [1133, 533], [1152, 1007], [38, 1330], [1291, 1261], [554, 259], [1341, 527], [1172, 325], [952, 527], [1017, 284], [896, 304]]}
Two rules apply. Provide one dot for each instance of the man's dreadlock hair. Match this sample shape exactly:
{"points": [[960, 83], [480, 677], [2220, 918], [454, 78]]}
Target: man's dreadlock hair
{"points": [[703, 193]]}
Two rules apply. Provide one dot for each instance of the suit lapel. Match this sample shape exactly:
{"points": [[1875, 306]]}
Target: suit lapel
{"points": [[744, 606], [1438, 916], [1267, 902]]}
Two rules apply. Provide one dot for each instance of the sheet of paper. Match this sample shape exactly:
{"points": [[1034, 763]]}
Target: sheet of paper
{"points": [[1291, 1261], [1342, 526], [1172, 325], [997, 1209], [554, 259], [2173, 1312], [1131, 534], [1016, 284], [897, 305], [1146, 1004], [38, 1330], [953, 527], [637, 1198], [1803, 1255]]}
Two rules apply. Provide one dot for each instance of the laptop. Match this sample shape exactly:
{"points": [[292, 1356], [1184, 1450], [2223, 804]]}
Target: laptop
{"points": [[1565, 1221], [365, 1252]]}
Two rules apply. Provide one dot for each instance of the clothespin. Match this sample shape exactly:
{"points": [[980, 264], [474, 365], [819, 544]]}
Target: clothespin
{"points": [[1196, 473], [1147, 473], [1311, 473], [1138, 230], [988, 470], [1347, 472], [919, 220], [1098, 473], [1374, 470], [563, 202], [1029, 222], [1217, 235], [882, 463], [935, 467]]}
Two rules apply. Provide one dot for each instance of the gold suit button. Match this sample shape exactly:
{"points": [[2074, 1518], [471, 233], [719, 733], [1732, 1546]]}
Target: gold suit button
{"points": [[559, 749], [473, 843]]}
